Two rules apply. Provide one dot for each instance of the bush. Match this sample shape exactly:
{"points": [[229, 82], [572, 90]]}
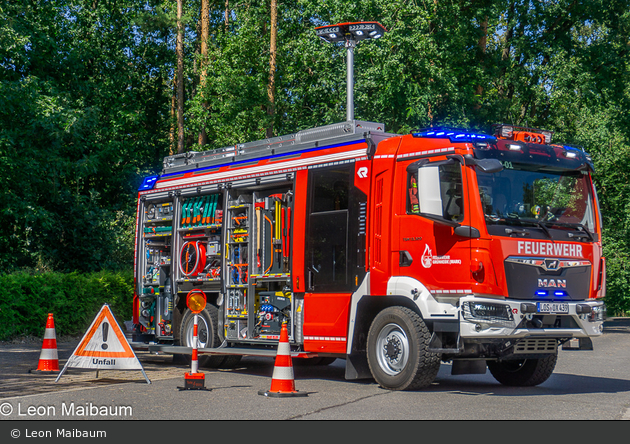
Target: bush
{"points": [[74, 299]]}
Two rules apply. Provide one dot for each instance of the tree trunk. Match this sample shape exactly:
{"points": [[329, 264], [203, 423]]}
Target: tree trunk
{"points": [[172, 148], [180, 78], [205, 30], [271, 87], [505, 52], [483, 42], [227, 13]]}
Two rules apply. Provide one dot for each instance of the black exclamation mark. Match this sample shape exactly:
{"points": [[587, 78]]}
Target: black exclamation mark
{"points": [[105, 331]]}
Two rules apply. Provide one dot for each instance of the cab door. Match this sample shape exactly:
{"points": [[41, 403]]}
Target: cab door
{"points": [[432, 226], [329, 262]]}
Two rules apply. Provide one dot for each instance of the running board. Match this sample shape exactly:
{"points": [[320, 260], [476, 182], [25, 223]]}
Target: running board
{"points": [[243, 351]]}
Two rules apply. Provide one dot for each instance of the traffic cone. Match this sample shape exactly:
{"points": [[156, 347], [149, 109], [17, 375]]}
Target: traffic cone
{"points": [[282, 382], [48, 359]]}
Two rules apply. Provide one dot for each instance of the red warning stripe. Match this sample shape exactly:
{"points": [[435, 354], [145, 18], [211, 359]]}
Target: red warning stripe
{"points": [[105, 313], [283, 361], [49, 343]]}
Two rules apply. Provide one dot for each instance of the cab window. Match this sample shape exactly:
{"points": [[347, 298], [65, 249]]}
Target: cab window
{"points": [[436, 191]]}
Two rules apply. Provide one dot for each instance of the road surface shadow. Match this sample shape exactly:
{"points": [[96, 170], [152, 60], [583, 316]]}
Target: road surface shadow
{"points": [[557, 384]]}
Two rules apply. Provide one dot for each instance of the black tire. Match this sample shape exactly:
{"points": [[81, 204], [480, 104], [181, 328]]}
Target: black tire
{"points": [[397, 350], [523, 372], [207, 333]]}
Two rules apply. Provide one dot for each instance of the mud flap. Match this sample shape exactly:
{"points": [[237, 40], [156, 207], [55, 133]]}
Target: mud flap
{"points": [[357, 366], [468, 367]]}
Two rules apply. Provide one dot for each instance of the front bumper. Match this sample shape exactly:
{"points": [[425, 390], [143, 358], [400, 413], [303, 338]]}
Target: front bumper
{"points": [[579, 322]]}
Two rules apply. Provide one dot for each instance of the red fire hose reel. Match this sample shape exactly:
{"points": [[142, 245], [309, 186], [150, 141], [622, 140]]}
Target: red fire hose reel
{"points": [[192, 258]]}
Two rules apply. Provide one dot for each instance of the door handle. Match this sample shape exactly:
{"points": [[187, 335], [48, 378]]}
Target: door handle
{"points": [[311, 275], [405, 258]]}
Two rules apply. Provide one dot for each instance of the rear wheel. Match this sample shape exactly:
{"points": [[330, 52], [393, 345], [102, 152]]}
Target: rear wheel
{"points": [[207, 334], [523, 372], [397, 350]]}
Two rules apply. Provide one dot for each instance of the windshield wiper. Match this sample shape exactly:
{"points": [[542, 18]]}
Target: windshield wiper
{"points": [[580, 235], [517, 221], [545, 229], [516, 231], [514, 221], [582, 230]]}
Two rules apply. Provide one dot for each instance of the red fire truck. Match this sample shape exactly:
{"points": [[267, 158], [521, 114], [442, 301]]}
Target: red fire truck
{"points": [[393, 252]]}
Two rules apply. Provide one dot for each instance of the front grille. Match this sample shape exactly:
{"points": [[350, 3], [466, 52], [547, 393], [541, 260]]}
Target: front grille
{"points": [[531, 345], [529, 278]]}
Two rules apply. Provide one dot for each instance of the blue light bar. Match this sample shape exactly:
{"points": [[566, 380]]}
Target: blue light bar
{"points": [[148, 183], [560, 294], [570, 152], [454, 135], [541, 293]]}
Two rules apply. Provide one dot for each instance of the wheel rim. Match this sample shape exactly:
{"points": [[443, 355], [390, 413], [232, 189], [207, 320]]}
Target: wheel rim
{"points": [[392, 349], [202, 332]]}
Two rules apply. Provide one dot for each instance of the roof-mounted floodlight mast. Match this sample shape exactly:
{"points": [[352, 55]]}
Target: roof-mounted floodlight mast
{"points": [[350, 34], [350, 44]]}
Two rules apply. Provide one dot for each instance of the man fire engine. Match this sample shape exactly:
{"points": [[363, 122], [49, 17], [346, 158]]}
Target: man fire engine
{"points": [[393, 252]]}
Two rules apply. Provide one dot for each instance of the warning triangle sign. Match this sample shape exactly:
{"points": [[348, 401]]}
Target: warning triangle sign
{"points": [[104, 347]]}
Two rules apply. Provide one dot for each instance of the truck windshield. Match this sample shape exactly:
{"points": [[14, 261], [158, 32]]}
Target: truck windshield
{"points": [[553, 203]]}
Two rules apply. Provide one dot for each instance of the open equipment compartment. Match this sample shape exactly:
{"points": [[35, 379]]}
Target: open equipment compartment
{"points": [[155, 266], [258, 295]]}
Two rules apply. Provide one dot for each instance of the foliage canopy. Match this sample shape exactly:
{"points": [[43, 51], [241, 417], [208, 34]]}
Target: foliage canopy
{"points": [[87, 92]]}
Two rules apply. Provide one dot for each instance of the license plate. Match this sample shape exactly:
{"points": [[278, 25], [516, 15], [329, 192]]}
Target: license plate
{"points": [[553, 307]]}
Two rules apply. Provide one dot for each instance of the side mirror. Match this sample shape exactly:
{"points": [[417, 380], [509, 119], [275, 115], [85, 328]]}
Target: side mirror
{"points": [[466, 231], [485, 165], [490, 165]]}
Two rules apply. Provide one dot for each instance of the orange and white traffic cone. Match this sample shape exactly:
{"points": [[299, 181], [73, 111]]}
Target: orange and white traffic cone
{"points": [[282, 382], [48, 359]]}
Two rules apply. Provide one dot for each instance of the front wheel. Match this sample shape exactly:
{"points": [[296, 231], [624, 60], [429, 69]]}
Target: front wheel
{"points": [[397, 350], [523, 372]]}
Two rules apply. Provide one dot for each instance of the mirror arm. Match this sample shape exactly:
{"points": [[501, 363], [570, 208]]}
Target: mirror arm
{"points": [[470, 160], [457, 157]]}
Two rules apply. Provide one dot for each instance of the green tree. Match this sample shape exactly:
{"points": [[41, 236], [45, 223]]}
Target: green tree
{"points": [[89, 98], [83, 117]]}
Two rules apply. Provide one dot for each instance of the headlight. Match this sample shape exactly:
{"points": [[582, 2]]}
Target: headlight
{"points": [[598, 313], [488, 312]]}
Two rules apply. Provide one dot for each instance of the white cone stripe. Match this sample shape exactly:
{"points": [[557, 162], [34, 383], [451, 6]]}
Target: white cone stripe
{"points": [[48, 353], [50, 333], [283, 373], [284, 349]]}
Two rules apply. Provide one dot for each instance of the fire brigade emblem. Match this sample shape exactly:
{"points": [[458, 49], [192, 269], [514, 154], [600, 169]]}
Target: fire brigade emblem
{"points": [[427, 257]]}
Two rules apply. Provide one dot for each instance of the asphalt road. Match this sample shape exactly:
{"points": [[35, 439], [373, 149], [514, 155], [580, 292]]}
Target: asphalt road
{"points": [[586, 385]]}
